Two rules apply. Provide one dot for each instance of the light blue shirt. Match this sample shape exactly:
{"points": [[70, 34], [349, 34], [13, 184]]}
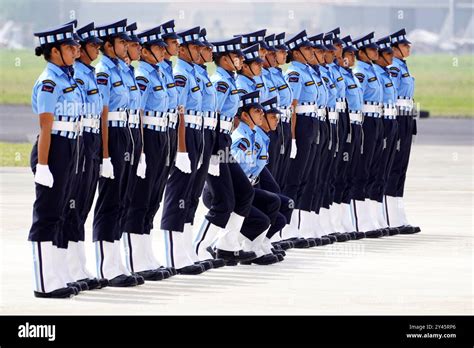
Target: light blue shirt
{"points": [[389, 91], [209, 98], [129, 80], [403, 81], [189, 91], [330, 86], [270, 86], [243, 148], [152, 85], [299, 78], [114, 92], [262, 144], [166, 66], [56, 92], [369, 82], [354, 92], [338, 79], [226, 92], [86, 80], [246, 85], [323, 93], [285, 94]]}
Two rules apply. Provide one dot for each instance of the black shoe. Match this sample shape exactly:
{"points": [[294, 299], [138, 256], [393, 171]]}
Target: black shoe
{"points": [[353, 235], [280, 257], [79, 285], [385, 231], [212, 252], [262, 260], [300, 243], [92, 283], [407, 229], [58, 293], [235, 255], [166, 274], [279, 252], [123, 281], [191, 270], [139, 278], [318, 241], [342, 237], [374, 234], [332, 238], [325, 241], [393, 231], [311, 242], [231, 262], [360, 235], [283, 245], [151, 274], [217, 263], [205, 264], [103, 283], [170, 270]]}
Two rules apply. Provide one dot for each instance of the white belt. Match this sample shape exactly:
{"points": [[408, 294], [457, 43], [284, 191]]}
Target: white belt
{"points": [[408, 103], [173, 117], [355, 117], [367, 108], [117, 116], [210, 122], [65, 126], [389, 111], [91, 123], [134, 118], [303, 109], [341, 105], [333, 115], [155, 121], [194, 119], [226, 125], [321, 112]]}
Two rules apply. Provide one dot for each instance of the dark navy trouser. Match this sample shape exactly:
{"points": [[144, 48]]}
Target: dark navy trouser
{"points": [[317, 190], [178, 188], [112, 192], [330, 169], [50, 204], [83, 186], [145, 190], [229, 192], [341, 156], [372, 129], [155, 203], [209, 138], [131, 173], [390, 130], [283, 154], [396, 182], [354, 153], [300, 167]]}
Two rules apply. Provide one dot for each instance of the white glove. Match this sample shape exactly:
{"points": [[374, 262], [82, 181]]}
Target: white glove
{"points": [[294, 150], [141, 169], [183, 163], [43, 175], [214, 166], [106, 168]]}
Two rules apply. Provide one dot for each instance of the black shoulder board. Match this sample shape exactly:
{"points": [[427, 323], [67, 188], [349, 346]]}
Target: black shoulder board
{"points": [[405, 75], [195, 89], [117, 83], [133, 88], [92, 91], [259, 85], [170, 85], [352, 86], [340, 78], [209, 84], [80, 81], [309, 83], [389, 84], [142, 78], [157, 88], [282, 87], [372, 79]]}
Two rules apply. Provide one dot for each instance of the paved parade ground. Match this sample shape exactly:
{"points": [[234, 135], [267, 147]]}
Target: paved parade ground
{"points": [[427, 273]]}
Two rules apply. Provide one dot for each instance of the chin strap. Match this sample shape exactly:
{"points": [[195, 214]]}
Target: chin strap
{"points": [[232, 62]]}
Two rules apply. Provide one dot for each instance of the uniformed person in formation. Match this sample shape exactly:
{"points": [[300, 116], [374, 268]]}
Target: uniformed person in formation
{"points": [[405, 85], [307, 157], [117, 151], [58, 103]]}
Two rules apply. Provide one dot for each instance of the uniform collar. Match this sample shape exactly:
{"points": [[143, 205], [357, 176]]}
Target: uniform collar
{"points": [[246, 77], [299, 64], [85, 67], [246, 128], [364, 64], [380, 68], [56, 69], [110, 62], [189, 67], [262, 133], [124, 66], [224, 72], [148, 67]]}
